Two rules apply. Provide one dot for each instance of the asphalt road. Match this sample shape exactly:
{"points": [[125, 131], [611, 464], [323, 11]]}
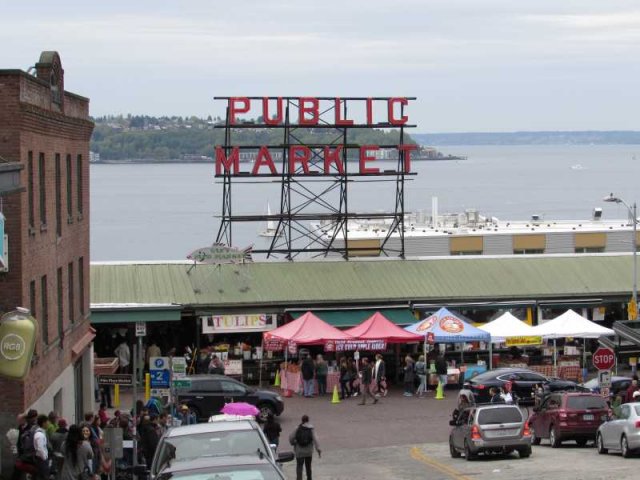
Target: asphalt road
{"points": [[406, 438]]}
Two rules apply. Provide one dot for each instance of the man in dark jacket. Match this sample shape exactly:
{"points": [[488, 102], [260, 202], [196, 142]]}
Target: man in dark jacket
{"points": [[308, 368], [366, 376], [441, 370]]}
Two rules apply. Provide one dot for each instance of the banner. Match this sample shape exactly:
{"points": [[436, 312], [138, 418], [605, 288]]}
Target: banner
{"points": [[523, 341], [255, 322], [348, 345]]}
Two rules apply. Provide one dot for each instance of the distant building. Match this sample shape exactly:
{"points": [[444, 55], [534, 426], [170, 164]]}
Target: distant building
{"points": [[45, 131]]}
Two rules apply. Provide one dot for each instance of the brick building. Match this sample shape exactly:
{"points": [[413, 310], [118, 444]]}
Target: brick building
{"points": [[47, 130]]}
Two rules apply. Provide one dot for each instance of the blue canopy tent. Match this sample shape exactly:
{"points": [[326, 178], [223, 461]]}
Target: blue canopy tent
{"points": [[447, 327]]}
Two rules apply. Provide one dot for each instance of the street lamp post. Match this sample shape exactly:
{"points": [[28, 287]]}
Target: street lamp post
{"points": [[634, 220]]}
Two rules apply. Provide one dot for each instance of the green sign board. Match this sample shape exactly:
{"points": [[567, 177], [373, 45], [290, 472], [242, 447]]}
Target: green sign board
{"points": [[182, 383]]}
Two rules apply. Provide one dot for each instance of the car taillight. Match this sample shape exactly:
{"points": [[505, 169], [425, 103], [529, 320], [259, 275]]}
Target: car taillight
{"points": [[637, 423], [527, 431], [480, 386], [475, 433]]}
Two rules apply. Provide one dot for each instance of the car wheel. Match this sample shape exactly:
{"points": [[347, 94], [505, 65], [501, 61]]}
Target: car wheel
{"points": [[467, 452], [265, 410], [553, 438], [535, 440], [525, 452], [454, 453], [581, 442], [624, 447], [600, 445]]}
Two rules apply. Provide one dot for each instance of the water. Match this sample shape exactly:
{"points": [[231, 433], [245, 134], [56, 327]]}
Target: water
{"points": [[162, 212]]}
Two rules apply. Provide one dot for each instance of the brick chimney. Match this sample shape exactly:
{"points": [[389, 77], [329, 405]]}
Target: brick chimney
{"points": [[49, 69]]}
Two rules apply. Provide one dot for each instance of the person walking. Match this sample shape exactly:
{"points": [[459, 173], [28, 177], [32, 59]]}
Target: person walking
{"points": [[441, 371], [307, 368], [304, 441], [366, 376], [272, 430], [78, 456], [421, 372], [124, 356], [41, 446], [353, 376], [345, 379], [322, 370], [409, 376], [380, 376]]}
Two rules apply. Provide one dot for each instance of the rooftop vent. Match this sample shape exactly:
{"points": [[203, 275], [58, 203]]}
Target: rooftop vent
{"points": [[597, 214]]}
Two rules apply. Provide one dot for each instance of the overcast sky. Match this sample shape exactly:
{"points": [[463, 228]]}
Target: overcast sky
{"points": [[475, 65]]}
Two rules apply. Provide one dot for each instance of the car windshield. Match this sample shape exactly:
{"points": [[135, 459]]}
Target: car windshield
{"points": [[235, 472], [215, 444], [493, 416], [585, 402]]}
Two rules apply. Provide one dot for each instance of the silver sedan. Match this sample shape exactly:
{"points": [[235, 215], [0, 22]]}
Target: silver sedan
{"points": [[621, 433]]}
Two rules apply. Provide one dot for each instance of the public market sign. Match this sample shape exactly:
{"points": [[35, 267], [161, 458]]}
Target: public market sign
{"points": [[259, 322], [523, 341], [387, 112]]}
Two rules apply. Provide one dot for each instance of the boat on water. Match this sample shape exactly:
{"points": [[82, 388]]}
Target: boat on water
{"points": [[272, 227], [470, 233]]}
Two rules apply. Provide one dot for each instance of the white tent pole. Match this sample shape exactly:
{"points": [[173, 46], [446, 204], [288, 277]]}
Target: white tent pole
{"points": [[555, 359], [491, 354]]}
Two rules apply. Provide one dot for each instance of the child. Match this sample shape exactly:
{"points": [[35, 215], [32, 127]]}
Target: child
{"points": [[272, 430]]}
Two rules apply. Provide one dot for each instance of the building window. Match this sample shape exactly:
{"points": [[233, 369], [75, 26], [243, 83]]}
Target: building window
{"points": [[60, 305], [44, 316], [79, 184], [32, 298], [71, 287], [589, 250], [466, 252], [81, 284], [43, 190], [69, 190], [58, 196], [528, 251], [31, 193]]}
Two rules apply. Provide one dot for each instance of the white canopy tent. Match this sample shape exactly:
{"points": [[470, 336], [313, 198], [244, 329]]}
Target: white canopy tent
{"points": [[570, 324], [506, 326]]}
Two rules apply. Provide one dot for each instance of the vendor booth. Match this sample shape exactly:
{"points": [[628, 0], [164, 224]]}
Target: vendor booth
{"points": [[509, 329], [447, 327]]}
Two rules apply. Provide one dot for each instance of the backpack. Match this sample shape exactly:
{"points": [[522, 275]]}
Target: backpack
{"points": [[27, 444], [304, 436]]}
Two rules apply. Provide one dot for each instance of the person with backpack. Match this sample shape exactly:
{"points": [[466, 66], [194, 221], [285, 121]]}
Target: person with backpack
{"points": [[421, 372], [304, 440]]}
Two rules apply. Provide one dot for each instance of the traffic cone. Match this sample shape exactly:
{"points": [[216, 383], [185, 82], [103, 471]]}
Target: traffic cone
{"points": [[276, 382], [336, 397], [440, 391]]}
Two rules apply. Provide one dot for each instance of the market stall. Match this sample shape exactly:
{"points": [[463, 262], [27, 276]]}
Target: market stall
{"points": [[306, 330], [507, 327], [570, 325], [446, 327]]}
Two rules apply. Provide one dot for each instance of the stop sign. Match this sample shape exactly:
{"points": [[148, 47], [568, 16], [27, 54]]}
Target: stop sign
{"points": [[604, 358]]}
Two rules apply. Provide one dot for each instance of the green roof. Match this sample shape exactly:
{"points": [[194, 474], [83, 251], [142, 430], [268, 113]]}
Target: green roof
{"points": [[362, 282]]}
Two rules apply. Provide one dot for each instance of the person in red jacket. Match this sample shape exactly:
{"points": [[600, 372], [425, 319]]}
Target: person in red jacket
{"points": [[632, 388]]}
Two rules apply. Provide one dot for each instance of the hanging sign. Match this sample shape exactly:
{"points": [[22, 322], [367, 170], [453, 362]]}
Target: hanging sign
{"points": [[159, 372], [523, 341], [17, 341], [232, 367], [349, 345], [431, 338], [255, 322], [141, 329]]}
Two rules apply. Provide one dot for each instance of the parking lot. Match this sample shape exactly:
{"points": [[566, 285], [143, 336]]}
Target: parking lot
{"points": [[406, 438]]}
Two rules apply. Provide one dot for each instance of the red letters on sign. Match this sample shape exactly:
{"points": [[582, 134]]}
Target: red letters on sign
{"points": [[407, 149], [263, 158], [308, 105], [303, 158], [339, 120], [235, 108], [333, 156], [369, 111], [230, 164], [392, 119], [268, 120], [364, 158]]}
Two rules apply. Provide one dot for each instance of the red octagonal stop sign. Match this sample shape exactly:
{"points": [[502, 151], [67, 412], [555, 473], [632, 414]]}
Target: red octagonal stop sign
{"points": [[604, 358]]}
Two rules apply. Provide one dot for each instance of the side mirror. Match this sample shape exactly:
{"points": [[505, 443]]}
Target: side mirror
{"points": [[453, 423], [285, 457]]}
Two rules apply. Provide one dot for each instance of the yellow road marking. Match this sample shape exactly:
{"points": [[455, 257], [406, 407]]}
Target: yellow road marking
{"points": [[419, 455]]}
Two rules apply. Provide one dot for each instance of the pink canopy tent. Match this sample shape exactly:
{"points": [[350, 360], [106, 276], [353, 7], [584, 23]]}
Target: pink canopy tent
{"points": [[306, 330], [378, 327]]}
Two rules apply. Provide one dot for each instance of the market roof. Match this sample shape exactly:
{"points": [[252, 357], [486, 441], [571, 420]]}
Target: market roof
{"points": [[358, 282]]}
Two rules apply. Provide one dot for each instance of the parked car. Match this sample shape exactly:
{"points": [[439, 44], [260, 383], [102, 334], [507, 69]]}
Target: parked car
{"points": [[182, 445], [486, 429], [618, 384], [208, 393], [568, 416], [523, 381], [621, 433], [240, 467]]}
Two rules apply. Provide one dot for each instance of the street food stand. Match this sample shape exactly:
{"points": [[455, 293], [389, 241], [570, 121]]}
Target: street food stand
{"points": [[447, 327], [509, 329]]}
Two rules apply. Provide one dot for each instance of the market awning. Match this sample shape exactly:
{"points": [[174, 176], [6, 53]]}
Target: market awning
{"points": [[120, 315], [351, 318]]}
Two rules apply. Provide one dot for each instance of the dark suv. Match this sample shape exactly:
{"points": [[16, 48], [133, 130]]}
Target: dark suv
{"points": [[568, 416], [208, 394], [491, 428]]}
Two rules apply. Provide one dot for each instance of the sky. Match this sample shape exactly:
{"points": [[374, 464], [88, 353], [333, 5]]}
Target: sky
{"points": [[474, 65]]}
